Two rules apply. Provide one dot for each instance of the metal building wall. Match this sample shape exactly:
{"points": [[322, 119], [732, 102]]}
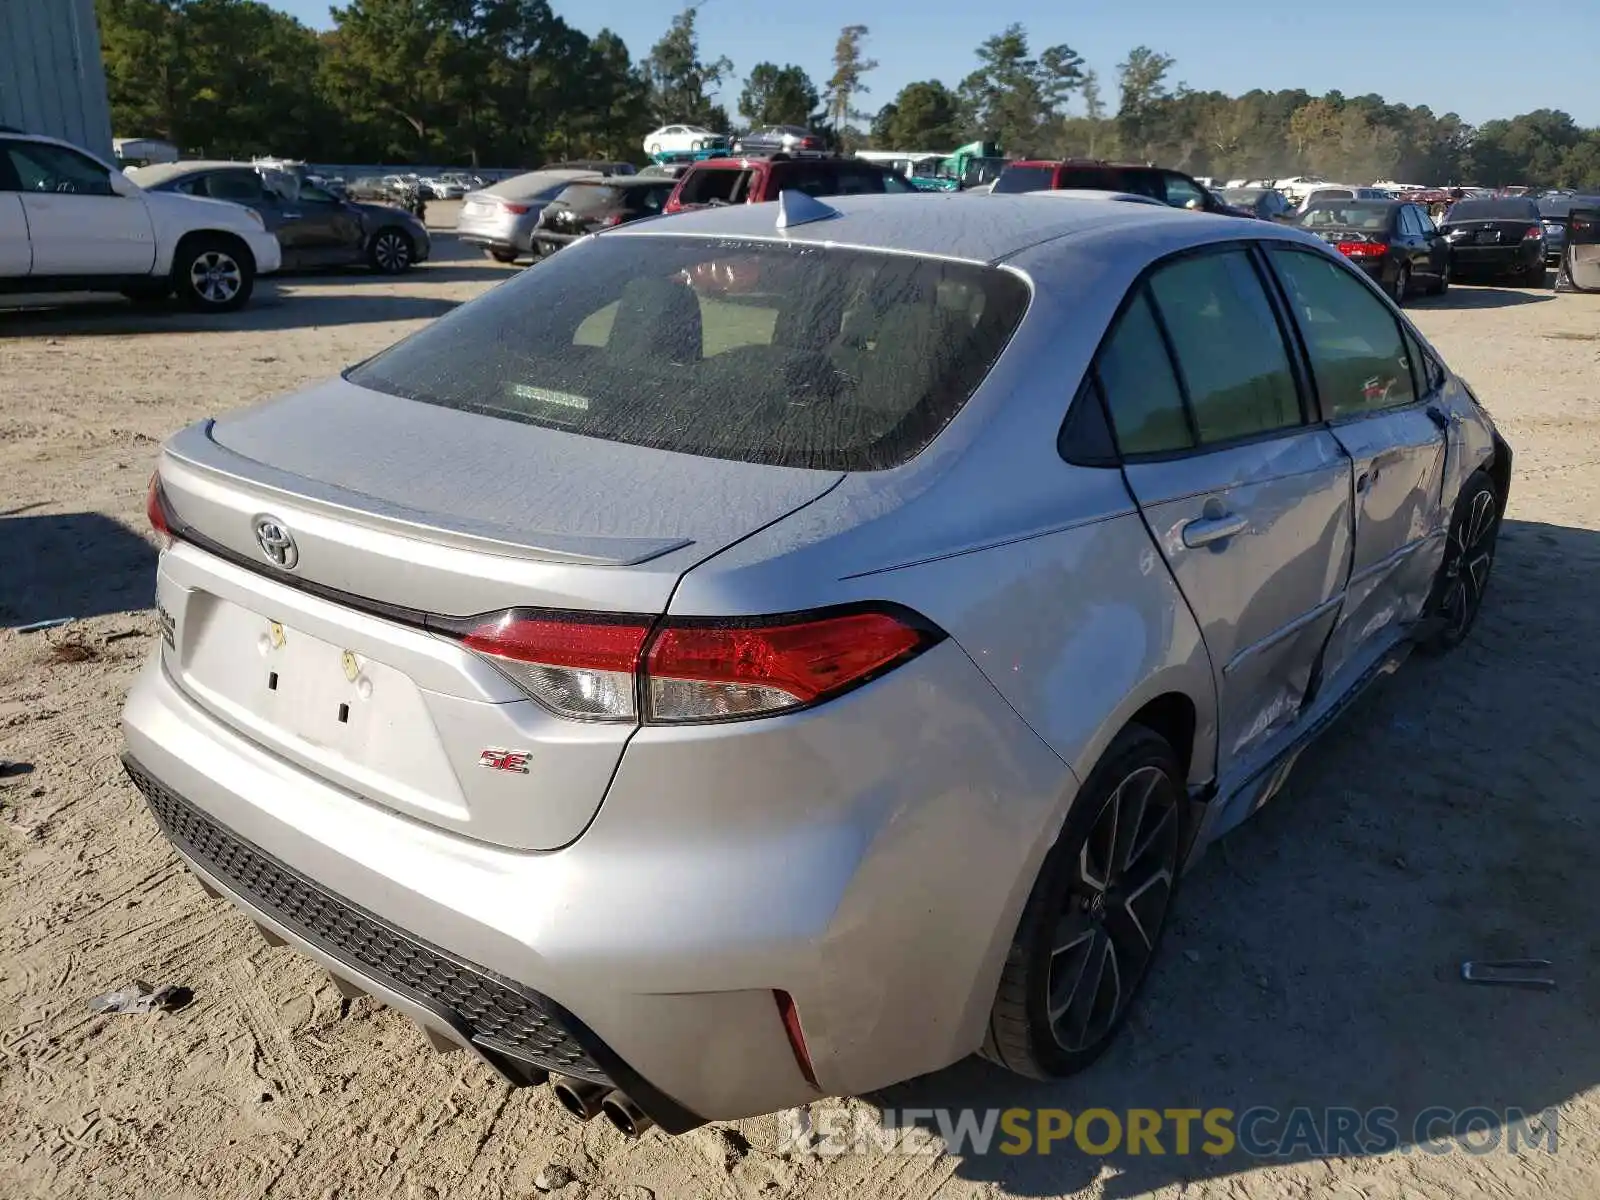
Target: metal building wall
{"points": [[52, 80]]}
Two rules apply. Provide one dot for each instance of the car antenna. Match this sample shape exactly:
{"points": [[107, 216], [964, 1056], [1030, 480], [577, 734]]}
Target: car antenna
{"points": [[797, 208]]}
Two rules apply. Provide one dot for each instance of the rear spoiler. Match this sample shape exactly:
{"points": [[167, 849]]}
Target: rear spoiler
{"points": [[203, 463]]}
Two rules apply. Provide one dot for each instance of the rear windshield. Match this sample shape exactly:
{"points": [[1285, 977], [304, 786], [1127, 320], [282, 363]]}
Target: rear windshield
{"points": [[1025, 179], [712, 185], [1493, 210], [1349, 214], [795, 356], [590, 197]]}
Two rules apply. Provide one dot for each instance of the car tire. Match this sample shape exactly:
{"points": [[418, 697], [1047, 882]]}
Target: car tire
{"points": [[1402, 284], [390, 252], [1458, 589], [502, 256], [1075, 928], [1533, 277], [1441, 283], [212, 273]]}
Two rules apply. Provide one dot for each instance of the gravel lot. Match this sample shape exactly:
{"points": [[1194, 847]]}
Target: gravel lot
{"points": [[1312, 962]]}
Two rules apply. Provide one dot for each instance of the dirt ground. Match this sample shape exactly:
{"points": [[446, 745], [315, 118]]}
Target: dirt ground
{"points": [[1313, 961]]}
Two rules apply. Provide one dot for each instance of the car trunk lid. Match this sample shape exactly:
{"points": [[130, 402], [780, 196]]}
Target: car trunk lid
{"points": [[400, 513]]}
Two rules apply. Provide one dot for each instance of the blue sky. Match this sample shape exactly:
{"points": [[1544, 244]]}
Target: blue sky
{"points": [[1479, 58]]}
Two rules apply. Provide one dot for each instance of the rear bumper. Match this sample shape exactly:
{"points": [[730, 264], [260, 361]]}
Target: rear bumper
{"points": [[547, 242], [725, 863], [1496, 260]]}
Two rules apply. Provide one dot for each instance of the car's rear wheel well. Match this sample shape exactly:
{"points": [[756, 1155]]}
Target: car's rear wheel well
{"points": [[1499, 468], [1172, 715]]}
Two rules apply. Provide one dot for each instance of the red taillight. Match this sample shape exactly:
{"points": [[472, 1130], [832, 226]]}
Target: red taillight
{"points": [[1533, 231], [596, 668], [612, 219], [1363, 249], [709, 672], [809, 143], [575, 666], [790, 1016], [518, 209], [155, 511]]}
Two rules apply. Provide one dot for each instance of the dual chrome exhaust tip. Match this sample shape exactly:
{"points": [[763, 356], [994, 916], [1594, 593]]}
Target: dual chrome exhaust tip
{"points": [[586, 1100]]}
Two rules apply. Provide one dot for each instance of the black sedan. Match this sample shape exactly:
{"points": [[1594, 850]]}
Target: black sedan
{"points": [[1502, 238], [314, 227], [590, 204], [1392, 241]]}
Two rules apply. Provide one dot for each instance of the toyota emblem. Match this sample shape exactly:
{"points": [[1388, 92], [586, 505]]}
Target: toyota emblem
{"points": [[276, 543]]}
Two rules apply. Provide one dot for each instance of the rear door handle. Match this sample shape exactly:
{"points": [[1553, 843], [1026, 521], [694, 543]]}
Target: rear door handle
{"points": [[291, 216], [1204, 530]]}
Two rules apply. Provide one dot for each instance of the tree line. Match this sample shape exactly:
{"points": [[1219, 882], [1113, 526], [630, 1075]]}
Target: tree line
{"points": [[509, 82]]}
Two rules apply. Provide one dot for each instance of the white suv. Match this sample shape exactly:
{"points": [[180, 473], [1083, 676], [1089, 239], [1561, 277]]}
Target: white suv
{"points": [[70, 222]]}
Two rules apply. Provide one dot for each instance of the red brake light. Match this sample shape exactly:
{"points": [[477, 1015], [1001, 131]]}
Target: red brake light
{"points": [[790, 1016], [1533, 231], [518, 209], [594, 667], [612, 219], [701, 672], [155, 511], [1363, 249]]}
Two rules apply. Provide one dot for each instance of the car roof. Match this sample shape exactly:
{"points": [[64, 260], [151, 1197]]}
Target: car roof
{"points": [[158, 173], [532, 182], [625, 181], [954, 225], [1102, 194]]}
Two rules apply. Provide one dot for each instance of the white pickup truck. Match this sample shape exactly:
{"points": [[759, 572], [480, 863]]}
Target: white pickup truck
{"points": [[71, 223]]}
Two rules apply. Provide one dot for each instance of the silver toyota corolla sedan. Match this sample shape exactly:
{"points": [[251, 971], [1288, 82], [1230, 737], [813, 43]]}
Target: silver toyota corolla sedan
{"points": [[500, 219], [780, 650]]}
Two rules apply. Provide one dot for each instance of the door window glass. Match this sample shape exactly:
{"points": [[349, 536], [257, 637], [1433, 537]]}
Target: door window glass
{"points": [[1357, 356], [41, 167], [1180, 192], [241, 187], [1230, 352], [1425, 369], [1140, 388]]}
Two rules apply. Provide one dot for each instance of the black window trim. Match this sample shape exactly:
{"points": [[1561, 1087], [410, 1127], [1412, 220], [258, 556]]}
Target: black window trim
{"points": [[10, 181], [1402, 326], [1299, 367]]}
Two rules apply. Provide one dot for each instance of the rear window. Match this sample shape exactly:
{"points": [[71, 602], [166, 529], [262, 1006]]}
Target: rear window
{"points": [[714, 185], [590, 197], [1494, 210], [1025, 179], [794, 356], [1354, 214]]}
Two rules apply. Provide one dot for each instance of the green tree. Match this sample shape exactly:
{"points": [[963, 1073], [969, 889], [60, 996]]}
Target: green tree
{"points": [[1015, 98], [844, 85], [775, 95], [682, 87], [925, 116], [224, 76], [1142, 78]]}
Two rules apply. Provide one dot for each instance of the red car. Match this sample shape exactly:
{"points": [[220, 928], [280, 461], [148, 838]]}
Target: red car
{"points": [[756, 180]]}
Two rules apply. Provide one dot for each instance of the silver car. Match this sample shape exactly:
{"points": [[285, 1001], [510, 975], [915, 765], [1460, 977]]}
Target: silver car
{"points": [[501, 218], [780, 650]]}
